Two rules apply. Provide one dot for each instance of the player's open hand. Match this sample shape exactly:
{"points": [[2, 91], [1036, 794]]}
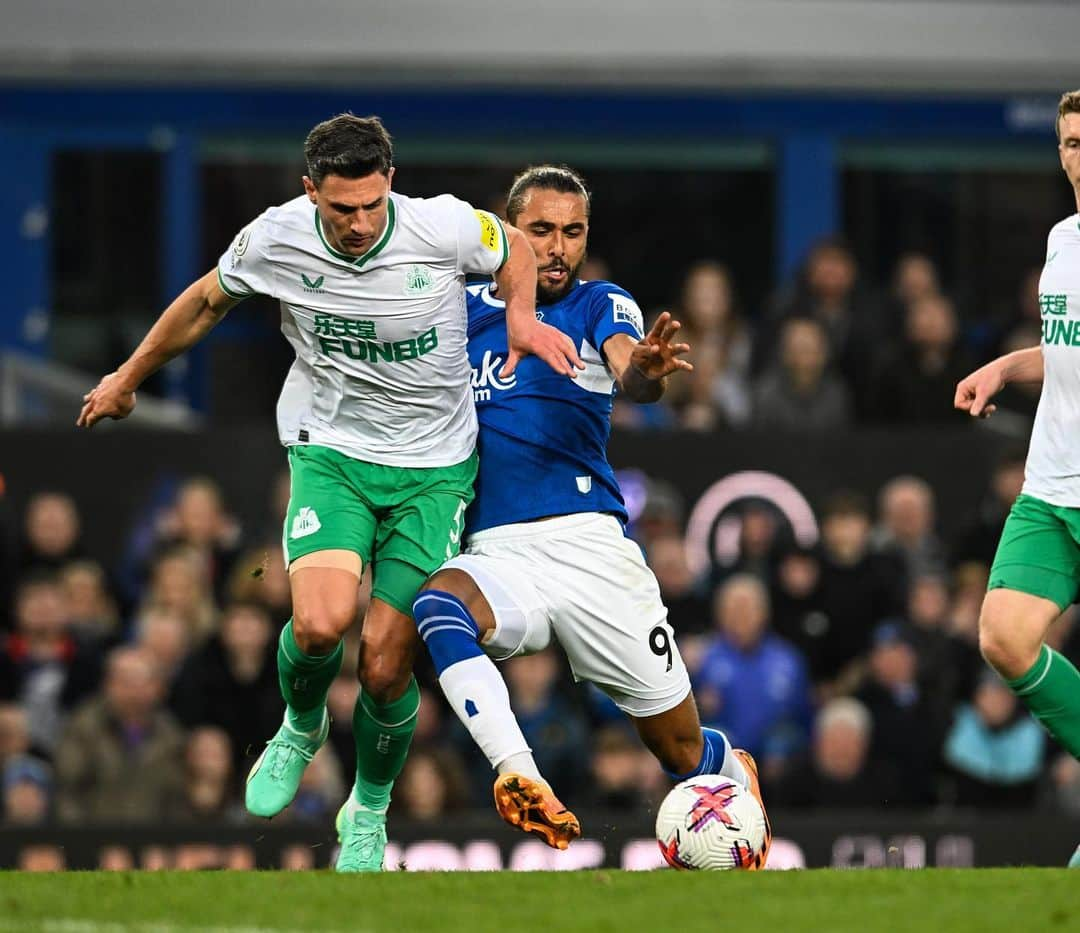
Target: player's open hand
{"points": [[548, 343], [973, 393], [655, 355], [110, 398]]}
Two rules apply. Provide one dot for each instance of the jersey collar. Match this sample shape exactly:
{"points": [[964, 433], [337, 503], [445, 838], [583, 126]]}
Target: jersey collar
{"points": [[490, 299], [358, 261]]}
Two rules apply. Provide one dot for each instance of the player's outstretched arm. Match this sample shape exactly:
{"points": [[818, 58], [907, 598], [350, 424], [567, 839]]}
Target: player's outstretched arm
{"points": [[183, 324], [973, 393], [516, 283], [641, 368]]}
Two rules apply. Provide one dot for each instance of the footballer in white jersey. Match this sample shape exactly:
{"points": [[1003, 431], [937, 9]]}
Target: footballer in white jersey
{"points": [[378, 419], [1036, 571]]}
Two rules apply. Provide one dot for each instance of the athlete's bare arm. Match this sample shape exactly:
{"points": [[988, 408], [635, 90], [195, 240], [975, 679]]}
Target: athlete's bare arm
{"points": [[641, 367], [516, 284], [183, 324], [973, 393]]}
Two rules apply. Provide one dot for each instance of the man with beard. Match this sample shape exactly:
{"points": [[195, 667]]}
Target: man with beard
{"points": [[376, 415], [546, 546]]}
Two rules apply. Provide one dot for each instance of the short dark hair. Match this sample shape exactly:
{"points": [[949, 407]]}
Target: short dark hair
{"points": [[350, 146], [844, 503], [560, 178], [1069, 103]]}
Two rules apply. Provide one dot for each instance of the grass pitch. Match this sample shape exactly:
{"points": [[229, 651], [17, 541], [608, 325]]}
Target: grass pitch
{"points": [[605, 901]]}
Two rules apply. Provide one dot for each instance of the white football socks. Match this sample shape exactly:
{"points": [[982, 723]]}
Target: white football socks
{"points": [[477, 693]]}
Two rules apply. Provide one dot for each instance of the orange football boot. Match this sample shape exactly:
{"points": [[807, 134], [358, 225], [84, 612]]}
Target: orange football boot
{"points": [[756, 860], [532, 807]]}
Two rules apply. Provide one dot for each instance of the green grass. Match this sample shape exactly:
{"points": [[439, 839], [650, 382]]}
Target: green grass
{"points": [[607, 901]]}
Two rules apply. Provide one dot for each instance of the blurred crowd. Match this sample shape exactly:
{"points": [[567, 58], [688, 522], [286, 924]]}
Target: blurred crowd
{"points": [[141, 686], [829, 350], [143, 690]]}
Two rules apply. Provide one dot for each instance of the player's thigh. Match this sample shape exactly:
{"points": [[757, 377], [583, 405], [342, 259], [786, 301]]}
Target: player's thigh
{"points": [[420, 527], [1038, 555], [519, 621], [611, 621], [326, 511]]}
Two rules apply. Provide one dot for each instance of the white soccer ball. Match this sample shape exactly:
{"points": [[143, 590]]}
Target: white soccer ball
{"points": [[711, 822]]}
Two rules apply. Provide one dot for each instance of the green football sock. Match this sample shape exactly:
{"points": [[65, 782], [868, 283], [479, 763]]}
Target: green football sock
{"points": [[305, 680], [382, 735], [1051, 692]]}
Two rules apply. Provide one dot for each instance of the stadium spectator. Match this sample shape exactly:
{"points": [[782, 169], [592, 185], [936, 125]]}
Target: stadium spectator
{"points": [[915, 277], [828, 291], [994, 749], [752, 684], [178, 583], [120, 758], [916, 380], [51, 530], [906, 517], [14, 732], [800, 394], [928, 629], [907, 733], [858, 587], [979, 537], [431, 785], [88, 605], [718, 390], [1025, 317], [796, 595], [231, 682], [763, 536], [552, 724], [615, 765], [688, 610], [26, 783], [165, 637], [839, 774], [42, 665], [210, 791], [198, 520]]}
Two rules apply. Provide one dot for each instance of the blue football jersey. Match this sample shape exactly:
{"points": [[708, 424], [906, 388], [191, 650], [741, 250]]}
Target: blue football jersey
{"points": [[543, 437]]}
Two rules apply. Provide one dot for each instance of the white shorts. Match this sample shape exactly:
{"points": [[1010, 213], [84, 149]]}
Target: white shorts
{"points": [[580, 578]]}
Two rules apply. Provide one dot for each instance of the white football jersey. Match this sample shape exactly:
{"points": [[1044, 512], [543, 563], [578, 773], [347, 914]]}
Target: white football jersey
{"points": [[381, 371], [1053, 463]]}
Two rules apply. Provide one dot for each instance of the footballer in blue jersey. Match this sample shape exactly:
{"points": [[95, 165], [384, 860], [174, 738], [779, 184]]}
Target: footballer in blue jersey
{"points": [[546, 552]]}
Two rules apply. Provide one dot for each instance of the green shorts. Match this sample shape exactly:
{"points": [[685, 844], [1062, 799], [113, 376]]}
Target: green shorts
{"points": [[1039, 551], [403, 521]]}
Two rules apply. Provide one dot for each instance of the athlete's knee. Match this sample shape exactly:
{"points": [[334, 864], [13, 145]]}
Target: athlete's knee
{"points": [[384, 673], [318, 628], [1005, 642]]}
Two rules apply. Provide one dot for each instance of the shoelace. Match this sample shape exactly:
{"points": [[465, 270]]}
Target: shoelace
{"points": [[361, 842], [279, 753]]}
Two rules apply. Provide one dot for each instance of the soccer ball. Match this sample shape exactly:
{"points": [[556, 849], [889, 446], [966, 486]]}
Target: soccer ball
{"points": [[710, 822]]}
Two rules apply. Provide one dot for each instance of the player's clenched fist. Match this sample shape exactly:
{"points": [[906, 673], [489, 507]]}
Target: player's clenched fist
{"points": [[974, 392], [549, 344], [110, 398]]}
